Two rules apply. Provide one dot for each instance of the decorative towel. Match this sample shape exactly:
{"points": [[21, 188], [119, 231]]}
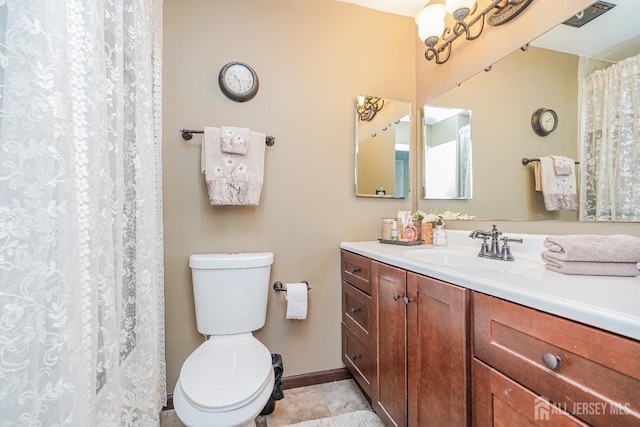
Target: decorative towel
{"points": [[594, 247], [563, 165], [232, 179], [589, 268], [559, 191], [234, 140]]}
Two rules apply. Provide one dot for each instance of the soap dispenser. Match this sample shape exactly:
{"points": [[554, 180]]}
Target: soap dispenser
{"points": [[439, 235]]}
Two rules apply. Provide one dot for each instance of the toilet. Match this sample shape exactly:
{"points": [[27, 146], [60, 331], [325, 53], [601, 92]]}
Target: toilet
{"points": [[229, 378]]}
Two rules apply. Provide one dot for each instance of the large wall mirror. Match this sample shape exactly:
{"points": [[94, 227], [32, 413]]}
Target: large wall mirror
{"points": [[382, 142], [503, 99]]}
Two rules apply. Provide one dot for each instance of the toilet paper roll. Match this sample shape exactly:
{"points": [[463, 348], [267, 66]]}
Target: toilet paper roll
{"points": [[296, 297]]}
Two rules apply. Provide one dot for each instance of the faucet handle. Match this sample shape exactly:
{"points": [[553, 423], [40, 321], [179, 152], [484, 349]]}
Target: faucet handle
{"points": [[505, 252], [507, 239]]}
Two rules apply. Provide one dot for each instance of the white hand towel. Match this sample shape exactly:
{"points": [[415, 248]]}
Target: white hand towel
{"points": [[559, 191], [296, 297], [233, 179], [234, 140], [563, 165]]}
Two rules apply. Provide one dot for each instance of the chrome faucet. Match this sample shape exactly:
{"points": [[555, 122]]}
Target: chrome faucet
{"points": [[494, 251]]}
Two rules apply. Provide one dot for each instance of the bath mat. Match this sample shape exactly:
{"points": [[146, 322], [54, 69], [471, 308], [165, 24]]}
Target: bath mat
{"points": [[352, 419]]}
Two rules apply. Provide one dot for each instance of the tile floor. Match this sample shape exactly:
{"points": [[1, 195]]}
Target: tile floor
{"points": [[304, 403]]}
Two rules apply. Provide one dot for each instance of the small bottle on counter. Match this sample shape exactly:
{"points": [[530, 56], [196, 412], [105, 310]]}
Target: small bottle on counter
{"points": [[439, 235], [394, 230]]}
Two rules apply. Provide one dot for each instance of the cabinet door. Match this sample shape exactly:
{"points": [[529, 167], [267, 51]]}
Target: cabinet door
{"points": [[439, 357], [391, 399], [500, 401]]}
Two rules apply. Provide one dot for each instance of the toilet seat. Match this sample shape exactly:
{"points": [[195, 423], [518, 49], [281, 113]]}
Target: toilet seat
{"points": [[225, 372]]}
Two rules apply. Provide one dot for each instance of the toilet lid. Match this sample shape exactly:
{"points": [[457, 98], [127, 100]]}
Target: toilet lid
{"points": [[225, 371]]}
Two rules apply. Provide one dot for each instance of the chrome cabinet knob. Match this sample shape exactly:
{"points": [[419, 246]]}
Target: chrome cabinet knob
{"points": [[396, 297], [551, 361], [355, 310]]}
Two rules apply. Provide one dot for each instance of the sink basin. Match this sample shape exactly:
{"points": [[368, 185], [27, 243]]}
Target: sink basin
{"points": [[466, 258]]}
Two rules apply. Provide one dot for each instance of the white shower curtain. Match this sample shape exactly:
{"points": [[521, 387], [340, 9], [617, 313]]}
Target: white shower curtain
{"points": [[81, 262], [610, 143]]}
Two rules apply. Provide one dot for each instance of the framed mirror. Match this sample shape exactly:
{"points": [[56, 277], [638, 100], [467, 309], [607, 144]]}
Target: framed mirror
{"points": [[446, 144], [382, 147], [503, 99]]}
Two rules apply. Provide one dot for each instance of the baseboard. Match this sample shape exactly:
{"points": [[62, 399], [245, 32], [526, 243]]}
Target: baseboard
{"points": [[314, 378], [296, 381]]}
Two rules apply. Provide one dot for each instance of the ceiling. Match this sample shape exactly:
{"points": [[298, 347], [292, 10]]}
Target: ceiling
{"points": [[617, 27]]}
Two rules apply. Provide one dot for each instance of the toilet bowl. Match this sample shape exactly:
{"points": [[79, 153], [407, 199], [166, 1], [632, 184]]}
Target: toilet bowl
{"points": [[229, 378], [226, 382]]}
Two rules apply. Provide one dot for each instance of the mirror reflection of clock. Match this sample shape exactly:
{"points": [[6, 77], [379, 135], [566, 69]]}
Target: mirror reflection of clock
{"points": [[544, 121]]}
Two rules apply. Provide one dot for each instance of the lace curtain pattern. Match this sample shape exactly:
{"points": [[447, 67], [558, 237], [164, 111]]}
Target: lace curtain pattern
{"points": [[81, 262], [610, 143]]}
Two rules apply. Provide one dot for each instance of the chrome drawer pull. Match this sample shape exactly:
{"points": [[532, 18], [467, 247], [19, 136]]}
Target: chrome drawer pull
{"points": [[355, 356], [551, 361], [355, 270], [355, 310]]}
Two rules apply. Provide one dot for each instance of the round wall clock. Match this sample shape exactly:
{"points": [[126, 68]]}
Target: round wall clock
{"points": [[238, 81], [544, 121]]}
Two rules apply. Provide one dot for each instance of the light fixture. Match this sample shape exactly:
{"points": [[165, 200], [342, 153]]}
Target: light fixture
{"points": [[368, 107], [438, 38]]}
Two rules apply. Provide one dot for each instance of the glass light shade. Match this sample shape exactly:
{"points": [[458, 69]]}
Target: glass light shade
{"points": [[430, 22], [459, 9]]}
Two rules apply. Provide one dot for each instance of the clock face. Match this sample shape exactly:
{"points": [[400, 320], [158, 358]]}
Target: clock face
{"points": [[238, 81], [548, 121]]}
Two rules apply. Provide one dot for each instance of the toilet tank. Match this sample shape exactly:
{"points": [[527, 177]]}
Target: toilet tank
{"points": [[230, 291]]}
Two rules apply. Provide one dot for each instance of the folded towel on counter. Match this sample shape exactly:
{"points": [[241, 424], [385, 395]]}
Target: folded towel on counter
{"points": [[234, 140], [558, 191], [232, 179], [589, 268], [594, 248], [563, 165]]}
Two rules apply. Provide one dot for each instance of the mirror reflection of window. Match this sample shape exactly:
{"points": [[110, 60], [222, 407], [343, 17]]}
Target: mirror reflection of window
{"points": [[447, 153]]}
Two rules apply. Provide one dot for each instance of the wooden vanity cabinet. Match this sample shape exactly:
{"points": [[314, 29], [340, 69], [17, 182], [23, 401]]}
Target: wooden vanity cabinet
{"points": [[359, 347], [429, 353], [423, 359], [439, 353], [590, 377]]}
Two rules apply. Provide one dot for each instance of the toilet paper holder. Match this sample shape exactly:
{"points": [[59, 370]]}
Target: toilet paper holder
{"points": [[278, 286]]}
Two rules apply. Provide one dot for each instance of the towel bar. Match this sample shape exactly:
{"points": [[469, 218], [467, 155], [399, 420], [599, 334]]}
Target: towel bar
{"points": [[187, 134], [278, 286], [526, 161]]}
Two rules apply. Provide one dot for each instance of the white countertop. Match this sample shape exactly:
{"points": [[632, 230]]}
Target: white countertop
{"points": [[609, 303]]}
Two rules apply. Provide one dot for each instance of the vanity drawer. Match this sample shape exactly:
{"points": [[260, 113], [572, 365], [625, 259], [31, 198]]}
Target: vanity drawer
{"points": [[597, 377], [500, 401], [356, 270], [359, 358], [357, 312]]}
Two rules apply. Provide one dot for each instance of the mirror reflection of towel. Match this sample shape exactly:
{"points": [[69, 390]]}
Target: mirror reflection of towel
{"points": [[559, 191], [563, 165]]}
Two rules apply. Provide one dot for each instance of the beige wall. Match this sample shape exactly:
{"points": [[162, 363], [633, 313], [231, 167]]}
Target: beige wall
{"points": [[502, 102], [313, 58]]}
